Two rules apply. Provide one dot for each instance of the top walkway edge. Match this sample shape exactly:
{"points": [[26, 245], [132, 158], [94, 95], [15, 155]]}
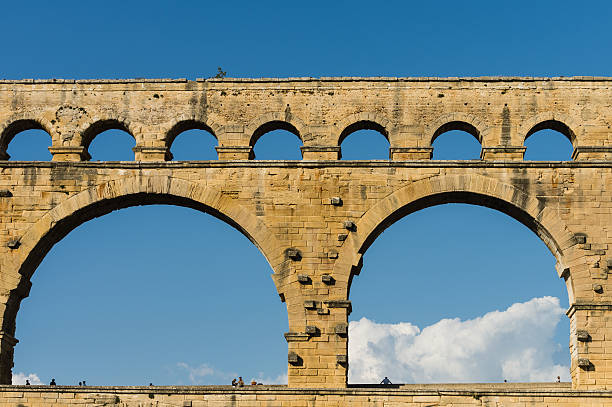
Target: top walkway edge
{"points": [[321, 79]]}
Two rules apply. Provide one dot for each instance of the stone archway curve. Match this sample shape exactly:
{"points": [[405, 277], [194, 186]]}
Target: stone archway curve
{"points": [[131, 188], [104, 198], [479, 190]]}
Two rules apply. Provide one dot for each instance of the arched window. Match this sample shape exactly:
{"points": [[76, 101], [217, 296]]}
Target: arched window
{"points": [[191, 140], [365, 140], [109, 140], [277, 140], [549, 141], [160, 296], [456, 141], [26, 140], [458, 293]]}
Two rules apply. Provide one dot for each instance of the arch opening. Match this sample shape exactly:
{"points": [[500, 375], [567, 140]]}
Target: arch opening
{"points": [[549, 140], [105, 146], [276, 140], [363, 141], [196, 141], [456, 140], [25, 140], [112, 145], [150, 230], [464, 300]]}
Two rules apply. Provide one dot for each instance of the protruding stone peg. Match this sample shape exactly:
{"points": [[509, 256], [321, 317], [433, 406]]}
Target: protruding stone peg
{"points": [[13, 244], [327, 279], [312, 330], [580, 239], [336, 201], [584, 363], [5, 193], [323, 311], [583, 336], [609, 263], [349, 225], [293, 358], [293, 254], [341, 329], [303, 279], [310, 304], [342, 359], [598, 288], [342, 237]]}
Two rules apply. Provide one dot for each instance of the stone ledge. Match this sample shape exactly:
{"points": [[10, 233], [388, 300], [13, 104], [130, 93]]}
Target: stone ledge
{"points": [[310, 164], [453, 389], [315, 79]]}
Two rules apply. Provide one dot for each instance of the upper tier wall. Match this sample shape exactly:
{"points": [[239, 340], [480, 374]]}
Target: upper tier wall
{"points": [[410, 112]]}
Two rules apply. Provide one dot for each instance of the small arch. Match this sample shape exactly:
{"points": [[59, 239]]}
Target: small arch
{"points": [[365, 135], [559, 122], [456, 142], [272, 126], [555, 125], [112, 126], [550, 142], [186, 125], [200, 137], [101, 126], [457, 125], [279, 146], [15, 127], [363, 125]]}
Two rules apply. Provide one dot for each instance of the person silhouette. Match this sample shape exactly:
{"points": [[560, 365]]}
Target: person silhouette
{"points": [[386, 381], [80, 383], [52, 382], [240, 381], [27, 382]]}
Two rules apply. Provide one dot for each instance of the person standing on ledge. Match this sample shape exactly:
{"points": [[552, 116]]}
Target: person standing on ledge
{"points": [[27, 382], [386, 381], [52, 382]]}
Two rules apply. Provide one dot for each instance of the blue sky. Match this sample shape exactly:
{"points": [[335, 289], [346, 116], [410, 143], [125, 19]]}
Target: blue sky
{"points": [[171, 299]]}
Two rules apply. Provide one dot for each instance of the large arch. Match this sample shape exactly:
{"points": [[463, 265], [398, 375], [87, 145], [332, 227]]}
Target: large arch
{"points": [[476, 190], [109, 196]]}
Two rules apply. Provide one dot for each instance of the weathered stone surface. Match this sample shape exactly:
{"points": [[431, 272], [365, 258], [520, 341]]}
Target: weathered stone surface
{"points": [[300, 207]]}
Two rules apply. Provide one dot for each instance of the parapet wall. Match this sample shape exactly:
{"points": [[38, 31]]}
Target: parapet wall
{"points": [[534, 394]]}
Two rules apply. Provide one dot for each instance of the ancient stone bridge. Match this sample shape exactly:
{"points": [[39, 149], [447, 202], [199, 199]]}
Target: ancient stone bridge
{"points": [[313, 219]]}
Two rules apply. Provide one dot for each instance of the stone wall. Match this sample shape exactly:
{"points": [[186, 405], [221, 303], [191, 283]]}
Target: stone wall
{"points": [[524, 395], [313, 219]]}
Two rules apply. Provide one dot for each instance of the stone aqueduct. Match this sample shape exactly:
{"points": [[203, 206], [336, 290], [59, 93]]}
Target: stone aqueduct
{"points": [[313, 219]]}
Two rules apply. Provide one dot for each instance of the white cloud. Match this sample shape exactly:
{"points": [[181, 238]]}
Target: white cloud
{"points": [[20, 378], [204, 373], [516, 344], [280, 379]]}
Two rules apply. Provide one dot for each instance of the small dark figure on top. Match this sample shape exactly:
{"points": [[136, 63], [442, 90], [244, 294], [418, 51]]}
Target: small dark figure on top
{"points": [[27, 382], [240, 381], [52, 382], [150, 384], [386, 381], [234, 382], [80, 383], [558, 379], [84, 384], [253, 383]]}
